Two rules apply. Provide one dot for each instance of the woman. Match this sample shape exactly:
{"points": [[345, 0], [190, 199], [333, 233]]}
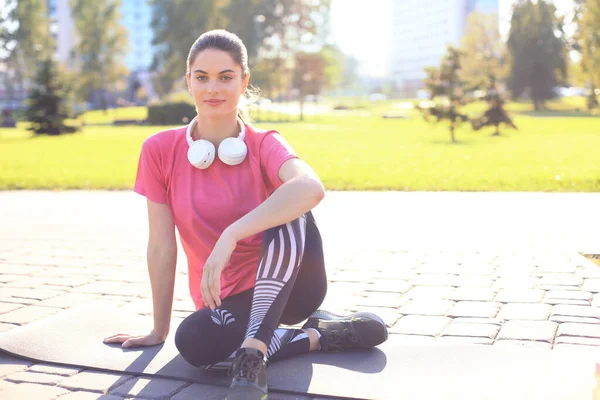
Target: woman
{"points": [[254, 251]]}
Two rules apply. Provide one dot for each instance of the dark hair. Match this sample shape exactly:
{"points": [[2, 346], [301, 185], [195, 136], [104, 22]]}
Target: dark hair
{"points": [[220, 39]]}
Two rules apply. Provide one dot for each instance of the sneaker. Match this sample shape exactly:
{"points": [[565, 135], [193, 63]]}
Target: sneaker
{"points": [[249, 372], [360, 330]]}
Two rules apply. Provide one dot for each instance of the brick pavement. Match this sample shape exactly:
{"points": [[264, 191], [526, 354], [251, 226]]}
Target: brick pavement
{"points": [[498, 269]]}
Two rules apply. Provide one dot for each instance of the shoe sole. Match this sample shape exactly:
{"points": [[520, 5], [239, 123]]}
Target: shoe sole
{"points": [[329, 316]]}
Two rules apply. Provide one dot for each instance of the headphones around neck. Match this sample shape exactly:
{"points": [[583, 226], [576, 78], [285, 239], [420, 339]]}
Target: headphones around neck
{"points": [[201, 154]]}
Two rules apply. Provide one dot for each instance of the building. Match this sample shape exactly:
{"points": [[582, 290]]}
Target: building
{"points": [[136, 17], [421, 31]]}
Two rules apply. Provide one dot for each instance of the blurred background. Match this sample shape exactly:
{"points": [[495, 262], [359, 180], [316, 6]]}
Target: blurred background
{"points": [[374, 94]]}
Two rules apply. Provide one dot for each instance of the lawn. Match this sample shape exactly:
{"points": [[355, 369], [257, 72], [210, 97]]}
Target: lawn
{"points": [[350, 152]]}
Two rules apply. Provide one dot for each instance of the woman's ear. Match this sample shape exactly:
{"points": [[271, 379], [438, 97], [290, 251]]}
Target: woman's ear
{"points": [[245, 82]]}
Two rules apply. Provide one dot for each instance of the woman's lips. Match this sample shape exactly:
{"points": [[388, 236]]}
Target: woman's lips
{"points": [[214, 102]]}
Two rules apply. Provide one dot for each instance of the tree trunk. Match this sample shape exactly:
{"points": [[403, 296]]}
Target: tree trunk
{"points": [[452, 133], [497, 133]]}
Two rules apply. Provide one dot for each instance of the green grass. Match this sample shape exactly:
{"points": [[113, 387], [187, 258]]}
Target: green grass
{"points": [[348, 153]]}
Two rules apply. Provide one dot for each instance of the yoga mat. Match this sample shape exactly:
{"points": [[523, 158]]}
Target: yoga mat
{"points": [[391, 371]]}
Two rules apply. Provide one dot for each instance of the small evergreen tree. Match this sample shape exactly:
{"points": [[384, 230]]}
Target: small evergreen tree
{"points": [[445, 81], [47, 103], [495, 114]]}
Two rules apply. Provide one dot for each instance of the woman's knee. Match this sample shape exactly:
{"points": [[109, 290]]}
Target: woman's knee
{"points": [[201, 341]]}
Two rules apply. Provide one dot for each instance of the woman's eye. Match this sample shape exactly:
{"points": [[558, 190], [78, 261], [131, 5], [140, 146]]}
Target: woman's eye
{"points": [[201, 78], [227, 78]]}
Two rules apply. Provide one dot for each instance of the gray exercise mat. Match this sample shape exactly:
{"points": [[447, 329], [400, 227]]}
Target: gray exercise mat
{"points": [[392, 371]]}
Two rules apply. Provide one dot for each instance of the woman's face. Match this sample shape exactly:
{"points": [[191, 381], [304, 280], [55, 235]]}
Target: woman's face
{"points": [[216, 83]]}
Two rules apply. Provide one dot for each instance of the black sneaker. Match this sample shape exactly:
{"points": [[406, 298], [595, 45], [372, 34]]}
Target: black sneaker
{"points": [[360, 330], [249, 372]]}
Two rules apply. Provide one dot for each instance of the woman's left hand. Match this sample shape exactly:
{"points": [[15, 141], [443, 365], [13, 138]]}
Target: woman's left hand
{"points": [[211, 277]]}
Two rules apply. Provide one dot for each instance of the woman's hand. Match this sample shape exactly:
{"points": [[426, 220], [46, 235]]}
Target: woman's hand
{"points": [[129, 340], [211, 277]]}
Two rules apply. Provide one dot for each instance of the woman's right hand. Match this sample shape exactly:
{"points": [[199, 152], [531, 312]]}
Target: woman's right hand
{"points": [[129, 340]]}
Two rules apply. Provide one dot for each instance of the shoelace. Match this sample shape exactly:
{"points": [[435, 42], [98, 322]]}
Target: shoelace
{"points": [[246, 366], [339, 339]]}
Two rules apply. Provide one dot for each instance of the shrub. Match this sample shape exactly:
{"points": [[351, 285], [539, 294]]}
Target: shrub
{"points": [[171, 113]]}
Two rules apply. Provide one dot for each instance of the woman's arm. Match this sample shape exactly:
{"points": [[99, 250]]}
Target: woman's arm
{"points": [[162, 261], [301, 191]]}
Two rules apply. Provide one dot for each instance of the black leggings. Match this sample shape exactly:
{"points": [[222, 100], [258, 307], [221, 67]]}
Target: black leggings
{"points": [[291, 284]]}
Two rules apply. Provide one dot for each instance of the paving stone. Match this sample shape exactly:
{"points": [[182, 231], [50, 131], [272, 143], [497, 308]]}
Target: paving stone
{"points": [[32, 391], [15, 269], [591, 285], [34, 377], [62, 283], [566, 302], [561, 280], [68, 300], [474, 281], [389, 315], [18, 300], [51, 369], [428, 292], [475, 330], [474, 309], [514, 271], [412, 339], [28, 314], [5, 385], [380, 299], [471, 294], [355, 276], [206, 392], [93, 381], [520, 295], [433, 280], [38, 294], [518, 282], [580, 320], [557, 287], [89, 396], [6, 327], [530, 311], [481, 269], [576, 311], [6, 278], [556, 267], [588, 272], [154, 388], [495, 321], [586, 341], [398, 273], [437, 268], [584, 330], [8, 307], [111, 288], [10, 365], [333, 289], [569, 295], [389, 285], [420, 325], [460, 340], [528, 330], [426, 307], [526, 343]]}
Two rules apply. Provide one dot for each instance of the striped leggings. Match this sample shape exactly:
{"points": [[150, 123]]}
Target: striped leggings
{"points": [[290, 285]]}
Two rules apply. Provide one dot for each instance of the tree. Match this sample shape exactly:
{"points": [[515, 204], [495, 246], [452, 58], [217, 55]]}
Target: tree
{"points": [[268, 28], [309, 76], [100, 47], [495, 115], [483, 51], [537, 51], [47, 104], [24, 39], [445, 81], [589, 41]]}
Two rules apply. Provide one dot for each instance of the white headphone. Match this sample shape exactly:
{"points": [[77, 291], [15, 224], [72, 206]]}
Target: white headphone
{"points": [[201, 154]]}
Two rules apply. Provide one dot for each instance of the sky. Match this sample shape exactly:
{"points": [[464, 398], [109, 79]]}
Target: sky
{"points": [[354, 26]]}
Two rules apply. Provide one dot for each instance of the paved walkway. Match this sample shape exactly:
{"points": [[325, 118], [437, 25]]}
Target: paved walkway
{"points": [[496, 269]]}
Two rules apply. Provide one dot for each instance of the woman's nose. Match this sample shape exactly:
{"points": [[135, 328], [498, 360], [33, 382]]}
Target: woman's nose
{"points": [[213, 87]]}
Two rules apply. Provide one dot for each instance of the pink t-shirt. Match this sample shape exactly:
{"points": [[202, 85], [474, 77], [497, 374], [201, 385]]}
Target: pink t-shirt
{"points": [[205, 202]]}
